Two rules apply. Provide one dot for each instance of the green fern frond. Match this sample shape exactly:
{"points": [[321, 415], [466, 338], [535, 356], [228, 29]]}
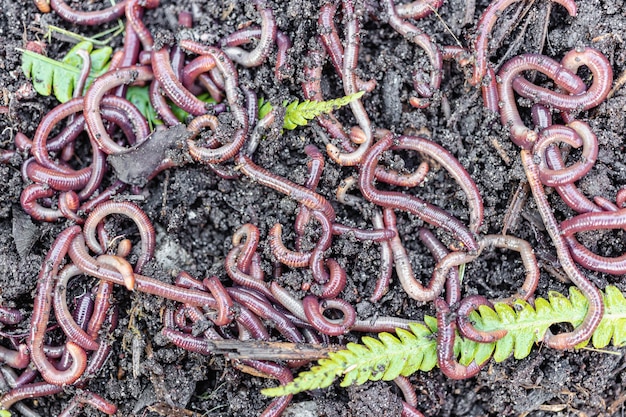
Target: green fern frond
{"points": [[299, 113], [409, 351], [59, 77]]}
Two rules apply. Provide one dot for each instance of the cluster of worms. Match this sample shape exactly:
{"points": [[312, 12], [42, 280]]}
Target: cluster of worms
{"points": [[244, 304]]}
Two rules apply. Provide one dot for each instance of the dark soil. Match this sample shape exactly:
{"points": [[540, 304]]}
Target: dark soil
{"points": [[195, 214]]}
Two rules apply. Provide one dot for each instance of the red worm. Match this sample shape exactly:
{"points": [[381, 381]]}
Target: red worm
{"points": [[10, 315], [28, 201], [128, 209], [172, 86], [483, 32], [224, 302], [425, 211], [439, 251], [88, 398], [595, 221], [188, 342], [418, 37], [467, 329], [299, 193], [446, 334], [134, 15], [264, 310], [599, 66], [94, 18], [329, 37], [240, 277], [575, 134], [260, 53], [41, 314], [596, 306], [80, 256], [284, 376], [418, 9], [314, 311], [15, 358], [411, 286], [93, 98], [350, 61], [250, 235], [72, 329], [285, 256], [563, 77], [34, 390]]}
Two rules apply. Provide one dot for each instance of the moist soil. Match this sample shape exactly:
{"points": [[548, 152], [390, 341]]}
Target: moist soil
{"points": [[195, 213]]}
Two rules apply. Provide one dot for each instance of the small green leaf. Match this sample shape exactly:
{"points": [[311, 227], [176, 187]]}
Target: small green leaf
{"points": [[59, 77]]}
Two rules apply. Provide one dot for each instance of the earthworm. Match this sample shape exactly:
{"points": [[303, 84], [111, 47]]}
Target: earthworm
{"points": [[418, 37], [70, 326], [376, 235], [410, 411], [446, 329], [521, 246], [94, 96], [239, 276], [285, 256], [569, 193], [329, 38], [94, 18], [284, 376], [251, 236], [336, 281], [252, 323], [483, 31], [88, 398], [28, 201], [467, 329], [187, 341], [350, 60], [287, 300], [599, 66], [260, 53], [134, 18], [183, 279], [407, 279], [454, 168], [575, 134], [509, 115], [128, 209], [312, 90], [57, 180], [224, 302], [425, 211], [315, 166], [34, 390], [122, 266], [299, 193], [228, 71], [594, 221], [10, 315], [6, 384], [439, 251], [41, 314], [43, 5], [408, 391], [172, 86], [316, 262], [264, 310], [160, 104], [80, 256], [314, 311], [418, 9], [596, 306], [15, 358]]}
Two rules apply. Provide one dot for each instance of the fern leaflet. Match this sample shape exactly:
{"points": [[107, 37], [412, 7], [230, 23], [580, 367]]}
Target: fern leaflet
{"points": [[409, 351], [299, 113]]}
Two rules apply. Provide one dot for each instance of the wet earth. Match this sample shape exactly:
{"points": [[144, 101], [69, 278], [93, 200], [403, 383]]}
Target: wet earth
{"points": [[195, 213]]}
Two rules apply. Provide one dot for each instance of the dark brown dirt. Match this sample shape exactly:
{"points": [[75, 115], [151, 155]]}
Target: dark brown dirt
{"points": [[195, 214]]}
